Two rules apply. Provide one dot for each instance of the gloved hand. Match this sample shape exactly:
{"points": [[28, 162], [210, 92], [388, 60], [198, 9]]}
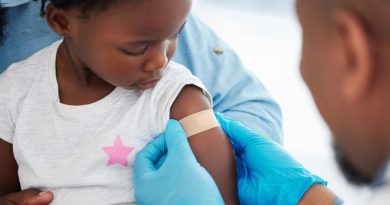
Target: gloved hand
{"points": [[166, 172], [267, 174]]}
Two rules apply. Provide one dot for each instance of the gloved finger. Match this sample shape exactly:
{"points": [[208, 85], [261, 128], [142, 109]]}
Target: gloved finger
{"points": [[147, 158], [239, 134], [177, 142], [161, 161], [241, 167], [276, 157]]}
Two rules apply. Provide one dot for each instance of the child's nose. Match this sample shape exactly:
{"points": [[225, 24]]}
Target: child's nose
{"points": [[157, 58]]}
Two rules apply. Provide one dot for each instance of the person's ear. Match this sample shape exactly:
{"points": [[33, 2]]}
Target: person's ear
{"points": [[356, 45], [58, 20]]}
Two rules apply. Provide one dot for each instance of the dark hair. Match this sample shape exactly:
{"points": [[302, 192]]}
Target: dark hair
{"points": [[3, 22], [84, 5]]}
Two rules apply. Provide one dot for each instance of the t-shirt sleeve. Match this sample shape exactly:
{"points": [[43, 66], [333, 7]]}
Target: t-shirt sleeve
{"points": [[175, 78], [237, 93], [7, 107]]}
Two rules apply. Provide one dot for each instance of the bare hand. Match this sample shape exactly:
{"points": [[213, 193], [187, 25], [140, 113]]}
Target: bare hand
{"points": [[27, 197]]}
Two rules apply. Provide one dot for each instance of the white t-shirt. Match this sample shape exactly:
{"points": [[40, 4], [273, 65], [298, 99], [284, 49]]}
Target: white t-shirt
{"points": [[83, 154], [381, 195]]}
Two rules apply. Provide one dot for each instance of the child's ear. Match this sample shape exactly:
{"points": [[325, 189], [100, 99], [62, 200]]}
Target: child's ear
{"points": [[58, 20]]}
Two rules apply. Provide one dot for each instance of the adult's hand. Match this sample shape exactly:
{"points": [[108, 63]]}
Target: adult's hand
{"points": [[267, 174], [27, 197], [166, 172]]}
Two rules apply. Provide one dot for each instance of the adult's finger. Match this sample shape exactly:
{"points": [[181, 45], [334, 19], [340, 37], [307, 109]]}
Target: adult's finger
{"points": [[43, 198], [177, 142], [148, 157], [28, 197], [239, 134], [161, 161]]}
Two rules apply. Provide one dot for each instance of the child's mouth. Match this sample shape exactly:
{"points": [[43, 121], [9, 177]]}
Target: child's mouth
{"points": [[147, 85]]}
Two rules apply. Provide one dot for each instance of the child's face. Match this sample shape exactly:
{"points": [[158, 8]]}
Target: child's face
{"points": [[130, 44]]}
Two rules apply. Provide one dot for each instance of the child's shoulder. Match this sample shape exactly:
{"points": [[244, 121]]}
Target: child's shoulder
{"points": [[19, 78], [175, 70], [36, 62], [174, 76], [27, 70]]}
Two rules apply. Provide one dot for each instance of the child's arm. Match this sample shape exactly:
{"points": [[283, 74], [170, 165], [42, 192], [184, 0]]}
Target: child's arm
{"points": [[211, 148], [9, 181]]}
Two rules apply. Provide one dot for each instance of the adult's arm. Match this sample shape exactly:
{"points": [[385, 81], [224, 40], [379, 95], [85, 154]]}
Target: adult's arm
{"points": [[26, 32], [236, 92]]}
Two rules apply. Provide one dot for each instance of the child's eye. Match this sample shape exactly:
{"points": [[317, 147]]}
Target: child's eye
{"points": [[135, 51]]}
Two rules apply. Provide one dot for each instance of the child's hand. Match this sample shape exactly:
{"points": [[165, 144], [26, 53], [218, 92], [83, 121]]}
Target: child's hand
{"points": [[179, 179], [27, 197]]}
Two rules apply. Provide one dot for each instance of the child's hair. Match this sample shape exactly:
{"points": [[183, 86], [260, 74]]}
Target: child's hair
{"points": [[84, 5]]}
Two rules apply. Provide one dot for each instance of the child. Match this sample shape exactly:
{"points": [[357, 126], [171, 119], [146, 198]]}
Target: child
{"points": [[78, 111]]}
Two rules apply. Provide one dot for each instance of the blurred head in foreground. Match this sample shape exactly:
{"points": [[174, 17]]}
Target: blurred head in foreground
{"points": [[346, 65]]}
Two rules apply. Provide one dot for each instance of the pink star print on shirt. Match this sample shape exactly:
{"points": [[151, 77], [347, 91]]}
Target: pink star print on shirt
{"points": [[118, 152]]}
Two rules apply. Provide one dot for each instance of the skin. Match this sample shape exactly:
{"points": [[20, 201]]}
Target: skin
{"points": [[27, 197], [345, 60], [211, 148], [101, 51]]}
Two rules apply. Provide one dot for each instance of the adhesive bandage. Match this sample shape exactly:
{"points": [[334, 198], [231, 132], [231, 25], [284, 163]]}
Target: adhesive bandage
{"points": [[199, 122]]}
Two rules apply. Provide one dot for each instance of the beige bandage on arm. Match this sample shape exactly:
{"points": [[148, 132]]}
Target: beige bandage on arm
{"points": [[199, 122]]}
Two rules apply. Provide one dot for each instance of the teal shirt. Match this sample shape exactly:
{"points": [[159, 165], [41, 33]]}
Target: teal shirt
{"points": [[235, 92], [12, 3]]}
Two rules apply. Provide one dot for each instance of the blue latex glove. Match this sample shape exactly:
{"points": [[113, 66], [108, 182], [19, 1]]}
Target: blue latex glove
{"points": [[166, 172], [267, 174]]}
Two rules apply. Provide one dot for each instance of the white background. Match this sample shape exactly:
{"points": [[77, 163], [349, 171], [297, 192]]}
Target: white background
{"points": [[267, 36]]}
